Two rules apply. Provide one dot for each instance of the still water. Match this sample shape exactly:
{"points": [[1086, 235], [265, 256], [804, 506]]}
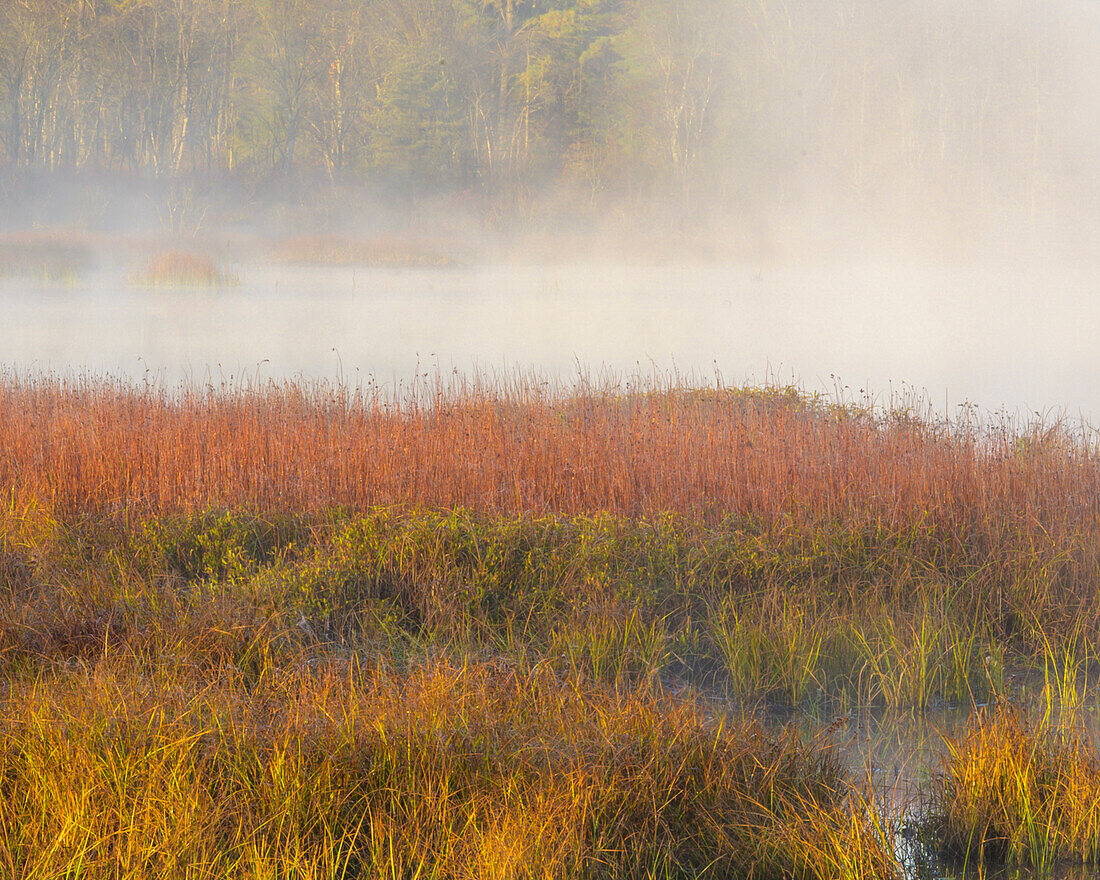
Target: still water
{"points": [[896, 754], [1019, 338]]}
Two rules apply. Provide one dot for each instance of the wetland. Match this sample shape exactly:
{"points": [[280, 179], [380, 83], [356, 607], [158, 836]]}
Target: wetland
{"points": [[485, 628], [549, 440]]}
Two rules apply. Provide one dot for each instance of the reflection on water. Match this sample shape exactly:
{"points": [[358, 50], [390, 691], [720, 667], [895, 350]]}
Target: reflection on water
{"points": [[1021, 338], [896, 754]]}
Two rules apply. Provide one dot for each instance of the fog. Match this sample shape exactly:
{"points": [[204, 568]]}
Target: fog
{"points": [[865, 198], [951, 336]]}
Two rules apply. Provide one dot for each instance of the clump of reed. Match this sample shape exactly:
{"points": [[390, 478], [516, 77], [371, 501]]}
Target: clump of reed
{"points": [[44, 256], [444, 768], [1014, 790], [335, 250], [174, 268]]}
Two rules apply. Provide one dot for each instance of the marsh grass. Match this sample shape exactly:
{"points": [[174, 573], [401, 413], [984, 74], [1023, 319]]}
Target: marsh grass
{"points": [[441, 769], [769, 459], [1015, 790], [625, 602], [1065, 676], [759, 540], [305, 630], [174, 268]]}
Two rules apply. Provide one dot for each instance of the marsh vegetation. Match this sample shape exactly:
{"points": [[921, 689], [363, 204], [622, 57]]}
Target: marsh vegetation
{"points": [[512, 627], [518, 630], [52, 257], [174, 268]]}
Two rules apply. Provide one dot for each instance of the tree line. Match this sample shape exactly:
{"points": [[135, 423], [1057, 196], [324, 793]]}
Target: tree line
{"points": [[726, 99], [443, 93]]}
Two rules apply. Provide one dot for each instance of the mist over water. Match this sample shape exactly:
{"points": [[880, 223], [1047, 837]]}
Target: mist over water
{"points": [[905, 198], [986, 335]]}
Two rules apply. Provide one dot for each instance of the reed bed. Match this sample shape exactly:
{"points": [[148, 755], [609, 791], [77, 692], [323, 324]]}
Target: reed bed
{"points": [[760, 541], [1012, 789], [771, 455], [173, 268], [1002, 522], [444, 768]]}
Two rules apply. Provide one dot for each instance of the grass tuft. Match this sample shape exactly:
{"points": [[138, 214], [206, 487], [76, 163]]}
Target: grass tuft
{"points": [[1013, 790], [180, 269]]}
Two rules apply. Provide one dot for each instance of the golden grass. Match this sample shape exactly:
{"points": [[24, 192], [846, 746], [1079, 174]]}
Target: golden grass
{"points": [[445, 769], [1014, 790]]}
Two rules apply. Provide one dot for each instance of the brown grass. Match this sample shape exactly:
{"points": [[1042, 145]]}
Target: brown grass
{"points": [[770, 454], [180, 268]]}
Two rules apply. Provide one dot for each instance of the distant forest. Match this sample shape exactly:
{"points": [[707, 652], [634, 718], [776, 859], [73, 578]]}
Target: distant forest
{"points": [[694, 100]]}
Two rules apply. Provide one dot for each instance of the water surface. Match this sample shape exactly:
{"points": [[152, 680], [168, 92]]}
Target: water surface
{"points": [[1020, 338]]}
